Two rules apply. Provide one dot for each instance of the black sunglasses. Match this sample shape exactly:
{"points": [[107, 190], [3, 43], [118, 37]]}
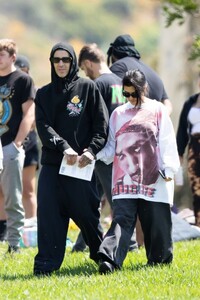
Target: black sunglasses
{"points": [[127, 94], [65, 60]]}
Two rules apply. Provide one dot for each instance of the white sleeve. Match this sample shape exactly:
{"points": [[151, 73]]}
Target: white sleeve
{"points": [[167, 144], [107, 153]]}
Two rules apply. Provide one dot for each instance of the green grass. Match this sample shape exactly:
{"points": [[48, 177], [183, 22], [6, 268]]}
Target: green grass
{"points": [[78, 277]]}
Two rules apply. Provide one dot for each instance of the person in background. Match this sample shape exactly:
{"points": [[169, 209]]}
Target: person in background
{"points": [[17, 112], [141, 142], [123, 56], [31, 162], [93, 62], [72, 122], [188, 134]]}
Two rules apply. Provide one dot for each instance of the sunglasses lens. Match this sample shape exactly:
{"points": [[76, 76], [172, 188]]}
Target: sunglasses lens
{"points": [[66, 59], [127, 94], [56, 60]]}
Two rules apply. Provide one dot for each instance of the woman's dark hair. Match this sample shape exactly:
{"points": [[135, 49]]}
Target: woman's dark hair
{"points": [[136, 79]]}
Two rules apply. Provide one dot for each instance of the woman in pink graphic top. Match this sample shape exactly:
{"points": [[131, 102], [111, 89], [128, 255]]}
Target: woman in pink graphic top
{"points": [[141, 143]]}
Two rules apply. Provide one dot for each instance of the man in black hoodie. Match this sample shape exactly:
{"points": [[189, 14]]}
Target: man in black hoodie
{"points": [[72, 120]]}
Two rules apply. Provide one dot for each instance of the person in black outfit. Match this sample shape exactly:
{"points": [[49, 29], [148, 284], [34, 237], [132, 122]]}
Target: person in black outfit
{"points": [[124, 56], [188, 137], [92, 61], [71, 120]]}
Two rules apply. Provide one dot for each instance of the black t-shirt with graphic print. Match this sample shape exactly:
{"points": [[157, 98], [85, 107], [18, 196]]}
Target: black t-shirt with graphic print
{"points": [[15, 89], [156, 87], [110, 87]]}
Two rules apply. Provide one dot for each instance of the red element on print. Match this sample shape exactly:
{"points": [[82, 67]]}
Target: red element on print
{"points": [[133, 189]]}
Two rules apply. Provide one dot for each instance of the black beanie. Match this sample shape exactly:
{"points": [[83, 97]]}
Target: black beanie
{"points": [[22, 62], [123, 46], [123, 40]]}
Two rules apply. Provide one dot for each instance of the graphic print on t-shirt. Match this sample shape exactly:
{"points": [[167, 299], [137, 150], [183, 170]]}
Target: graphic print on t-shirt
{"points": [[117, 96], [5, 107], [135, 161]]}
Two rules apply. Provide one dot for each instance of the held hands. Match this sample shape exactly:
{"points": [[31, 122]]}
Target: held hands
{"points": [[70, 156], [85, 159]]}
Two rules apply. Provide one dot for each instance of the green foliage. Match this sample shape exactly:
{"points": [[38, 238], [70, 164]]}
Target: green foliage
{"points": [[176, 10], [195, 52], [148, 46], [78, 277], [37, 25]]}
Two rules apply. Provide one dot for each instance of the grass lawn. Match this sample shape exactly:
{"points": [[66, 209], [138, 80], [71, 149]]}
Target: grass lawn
{"points": [[78, 277]]}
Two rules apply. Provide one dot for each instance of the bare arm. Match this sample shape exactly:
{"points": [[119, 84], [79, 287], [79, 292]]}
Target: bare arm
{"points": [[27, 121]]}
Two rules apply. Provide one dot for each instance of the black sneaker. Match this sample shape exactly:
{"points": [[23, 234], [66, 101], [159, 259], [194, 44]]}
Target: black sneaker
{"points": [[13, 249], [105, 267], [78, 249], [80, 245], [3, 231], [40, 273]]}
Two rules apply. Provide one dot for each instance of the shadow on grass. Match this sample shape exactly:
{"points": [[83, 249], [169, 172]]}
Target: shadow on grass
{"points": [[142, 266], [134, 267], [84, 270], [87, 270], [16, 277]]}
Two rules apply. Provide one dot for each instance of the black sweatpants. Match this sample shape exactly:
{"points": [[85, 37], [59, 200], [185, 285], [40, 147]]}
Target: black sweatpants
{"points": [[156, 224], [59, 199]]}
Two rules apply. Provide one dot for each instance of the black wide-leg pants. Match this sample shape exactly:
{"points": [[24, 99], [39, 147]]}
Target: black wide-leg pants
{"points": [[59, 199], [156, 224]]}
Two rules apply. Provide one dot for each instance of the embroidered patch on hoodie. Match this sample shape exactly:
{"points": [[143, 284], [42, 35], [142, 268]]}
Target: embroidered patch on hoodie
{"points": [[75, 106]]}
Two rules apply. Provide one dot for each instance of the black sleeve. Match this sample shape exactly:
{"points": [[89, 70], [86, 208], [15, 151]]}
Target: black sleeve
{"points": [[100, 118], [47, 134], [182, 132], [27, 88]]}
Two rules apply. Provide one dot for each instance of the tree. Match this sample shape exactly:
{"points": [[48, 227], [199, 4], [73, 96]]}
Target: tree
{"points": [[178, 10]]}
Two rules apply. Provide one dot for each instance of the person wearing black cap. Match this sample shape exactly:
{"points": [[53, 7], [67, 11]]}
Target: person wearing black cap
{"points": [[72, 122], [22, 63], [124, 56]]}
